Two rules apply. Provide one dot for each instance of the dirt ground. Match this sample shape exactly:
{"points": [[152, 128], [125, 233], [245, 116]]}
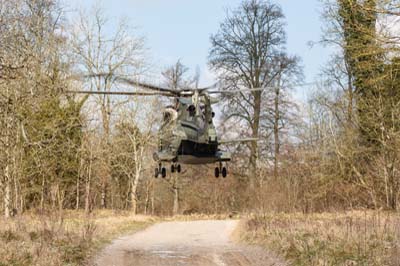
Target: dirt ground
{"points": [[194, 243]]}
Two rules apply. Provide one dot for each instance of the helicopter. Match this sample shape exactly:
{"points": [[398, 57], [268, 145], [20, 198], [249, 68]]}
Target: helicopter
{"points": [[187, 134]]}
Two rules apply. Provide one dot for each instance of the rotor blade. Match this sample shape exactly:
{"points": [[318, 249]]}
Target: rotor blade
{"points": [[133, 82], [209, 87], [235, 91], [238, 140], [129, 93], [145, 85]]}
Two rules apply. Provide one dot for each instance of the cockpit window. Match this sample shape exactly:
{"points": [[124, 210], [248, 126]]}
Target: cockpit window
{"points": [[192, 110]]}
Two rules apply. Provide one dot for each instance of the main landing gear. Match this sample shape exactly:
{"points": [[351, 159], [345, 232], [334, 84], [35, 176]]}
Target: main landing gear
{"points": [[160, 170], [176, 168], [220, 170]]}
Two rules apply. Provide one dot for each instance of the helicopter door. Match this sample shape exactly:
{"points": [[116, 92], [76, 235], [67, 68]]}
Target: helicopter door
{"points": [[201, 119], [170, 115]]}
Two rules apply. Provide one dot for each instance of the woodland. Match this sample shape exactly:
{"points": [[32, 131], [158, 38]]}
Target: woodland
{"points": [[339, 150]]}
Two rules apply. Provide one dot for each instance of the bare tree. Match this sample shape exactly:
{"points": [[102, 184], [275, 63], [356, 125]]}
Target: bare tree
{"points": [[283, 106], [11, 65], [97, 52], [134, 137], [174, 75], [243, 54]]}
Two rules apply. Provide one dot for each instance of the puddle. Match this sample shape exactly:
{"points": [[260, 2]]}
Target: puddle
{"points": [[168, 254]]}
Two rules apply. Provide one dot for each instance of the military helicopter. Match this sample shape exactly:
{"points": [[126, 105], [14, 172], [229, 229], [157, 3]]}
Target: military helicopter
{"points": [[187, 134]]}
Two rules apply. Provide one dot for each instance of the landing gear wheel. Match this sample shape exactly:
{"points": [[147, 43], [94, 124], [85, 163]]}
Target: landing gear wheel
{"points": [[216, 172], [172, 168], [156, 172], [224, 172], [178, 168], [163, 172]]}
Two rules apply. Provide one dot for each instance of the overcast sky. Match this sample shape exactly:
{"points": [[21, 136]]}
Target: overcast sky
{"points": [[180, 29]]}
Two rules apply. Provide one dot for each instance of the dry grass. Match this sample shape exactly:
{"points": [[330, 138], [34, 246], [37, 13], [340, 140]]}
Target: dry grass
{"points": [[48, 240], [353, 238]]}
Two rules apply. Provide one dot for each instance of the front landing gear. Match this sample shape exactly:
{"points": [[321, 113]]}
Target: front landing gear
{"points": [[221, 170], [163, 172], [156, 172], [160, 171]]}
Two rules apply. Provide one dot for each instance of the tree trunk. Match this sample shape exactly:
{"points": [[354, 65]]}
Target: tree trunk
{"points": [[350, 99], [147, 200], [175, 210], [175, 188], [106, 113], [77, 201], [133, 198], [276, 131], [152, 199], [7, 192], [254, 144], [87, 189], [393, 191], [42, 194], [103, 199], [138, 155], [16, 195], [7, 170], [77, 194], [16, 176], [60, 199]]}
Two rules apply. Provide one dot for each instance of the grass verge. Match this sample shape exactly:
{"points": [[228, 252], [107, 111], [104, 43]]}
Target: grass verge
{"points": [[352, 238], [48, 240]]}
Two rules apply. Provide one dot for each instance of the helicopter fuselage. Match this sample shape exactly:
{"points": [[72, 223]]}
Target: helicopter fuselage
{"points": [[188, 135], [190, 152]]}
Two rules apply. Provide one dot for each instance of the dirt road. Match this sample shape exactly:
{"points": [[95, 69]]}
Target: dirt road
{"points": [[197, 243]]}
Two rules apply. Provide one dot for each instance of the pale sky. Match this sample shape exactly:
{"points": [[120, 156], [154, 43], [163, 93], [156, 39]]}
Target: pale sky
{"points": [[180, 29]]}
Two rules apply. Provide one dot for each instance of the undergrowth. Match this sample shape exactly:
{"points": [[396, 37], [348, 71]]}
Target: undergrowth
{"points": [[48, 240], [329, 239]]}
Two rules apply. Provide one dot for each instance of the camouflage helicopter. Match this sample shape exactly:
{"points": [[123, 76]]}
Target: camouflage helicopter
{"points": [[187, 134]]}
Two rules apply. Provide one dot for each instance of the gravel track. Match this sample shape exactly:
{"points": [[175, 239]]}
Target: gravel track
{"points": [[194, 243]]}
